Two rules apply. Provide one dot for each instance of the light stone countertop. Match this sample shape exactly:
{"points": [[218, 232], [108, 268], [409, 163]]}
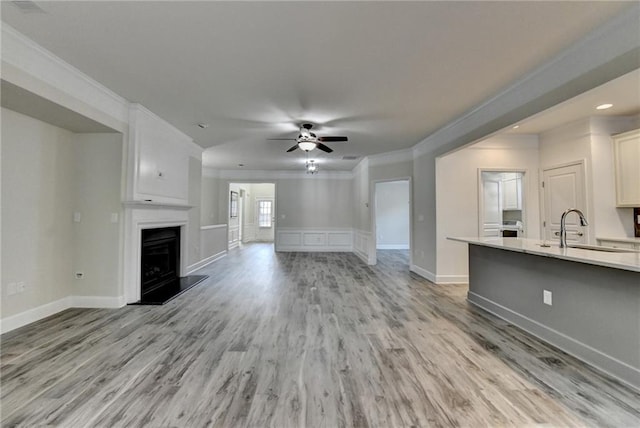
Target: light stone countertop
{"points": [[626, 261], [631, 239]]}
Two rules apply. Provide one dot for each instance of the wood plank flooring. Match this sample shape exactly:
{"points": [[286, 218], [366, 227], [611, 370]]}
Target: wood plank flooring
{"points": [[300, 340]]}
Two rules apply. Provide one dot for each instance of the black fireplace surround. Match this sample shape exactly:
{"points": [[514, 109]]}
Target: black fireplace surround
{"points": [[160, 279]]}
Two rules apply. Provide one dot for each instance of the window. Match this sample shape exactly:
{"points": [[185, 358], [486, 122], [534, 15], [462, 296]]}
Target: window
{"points": [[264, 213]]}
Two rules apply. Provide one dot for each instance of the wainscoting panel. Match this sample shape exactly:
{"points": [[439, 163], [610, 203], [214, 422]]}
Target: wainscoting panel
{"points": [[362, 246], [330, 240], [234, 236]]}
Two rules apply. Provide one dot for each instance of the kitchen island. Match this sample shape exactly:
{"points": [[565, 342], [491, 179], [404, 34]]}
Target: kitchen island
{"points": [[594, 296]]}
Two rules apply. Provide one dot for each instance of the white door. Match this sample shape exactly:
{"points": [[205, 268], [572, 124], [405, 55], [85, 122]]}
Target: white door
{"points": [[265, 219], [564, 188], [492, 212]]}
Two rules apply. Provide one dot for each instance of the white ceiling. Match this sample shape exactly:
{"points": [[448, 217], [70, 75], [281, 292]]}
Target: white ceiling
{"points": [[385, 74], [623, 93]]}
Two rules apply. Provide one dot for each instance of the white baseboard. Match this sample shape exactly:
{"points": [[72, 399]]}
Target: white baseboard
{"points": [[393, 246], [234, 244], [97, 302], [36, 314], [452, 279], [204, 262], [616, 368], [423, 273], [32, 315]]}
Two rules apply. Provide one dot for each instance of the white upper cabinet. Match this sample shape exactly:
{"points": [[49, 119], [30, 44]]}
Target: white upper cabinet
{"points": [[158, 159], [512, 192], [626, 150]]}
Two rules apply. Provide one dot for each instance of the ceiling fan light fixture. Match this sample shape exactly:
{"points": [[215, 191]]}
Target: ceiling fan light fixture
{"points": [[312, 167], [307, 146]]}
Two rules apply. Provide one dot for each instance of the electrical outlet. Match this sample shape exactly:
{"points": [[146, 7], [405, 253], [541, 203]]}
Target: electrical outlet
{"points": [[77, 217], [11, 289], [547, 297], [20, 287], [79, 275]]}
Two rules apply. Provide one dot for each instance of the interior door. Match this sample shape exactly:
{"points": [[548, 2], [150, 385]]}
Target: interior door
{"points": [[492, 211], [564, 188]]}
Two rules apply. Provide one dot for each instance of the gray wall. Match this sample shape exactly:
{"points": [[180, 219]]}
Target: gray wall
{"points": [[595, 313]]}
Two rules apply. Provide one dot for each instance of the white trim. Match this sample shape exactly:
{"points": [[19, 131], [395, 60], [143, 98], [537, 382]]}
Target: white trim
{"points": [[620, 370], [423, 273], [606, 43], [395, 156], [31, 57], [97, 302], [43, 311], [213, 226], [392, 246], [35, 314], [204, 262], [314, 239], [452, 279], [229, 174], [137, 219]]}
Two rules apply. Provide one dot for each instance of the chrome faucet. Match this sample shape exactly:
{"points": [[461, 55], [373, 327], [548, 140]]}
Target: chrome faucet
{"points": [[563, 228]]}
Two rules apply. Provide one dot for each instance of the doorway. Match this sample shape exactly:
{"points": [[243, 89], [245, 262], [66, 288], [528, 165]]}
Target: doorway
{"points": [[392, 219], [501, 203], [255, 219], [563, 187]]}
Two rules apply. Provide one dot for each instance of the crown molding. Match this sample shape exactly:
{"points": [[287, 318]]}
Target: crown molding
{"points": [[607, 52], [253, 175], [29, 57], [396, 156]]}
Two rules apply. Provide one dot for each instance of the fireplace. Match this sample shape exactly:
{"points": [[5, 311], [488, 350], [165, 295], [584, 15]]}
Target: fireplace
{"points": [[160, 260]]}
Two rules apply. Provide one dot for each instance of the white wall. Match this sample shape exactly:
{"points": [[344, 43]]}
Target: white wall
{"points": [[589, 140], [195, 194], [96, 192], [609, 220], [210, 198], [392, 214], [37, 207], [48, 174], [457, 196]]}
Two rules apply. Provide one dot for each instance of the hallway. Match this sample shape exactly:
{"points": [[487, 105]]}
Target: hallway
{"points": [[300, 339]]}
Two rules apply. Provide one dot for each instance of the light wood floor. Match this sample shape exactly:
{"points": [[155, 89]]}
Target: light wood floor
{"points": [[300, 340]]}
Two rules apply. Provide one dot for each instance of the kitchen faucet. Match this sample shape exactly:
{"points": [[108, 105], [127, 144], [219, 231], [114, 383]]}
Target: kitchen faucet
{"points": [[563, 228]]}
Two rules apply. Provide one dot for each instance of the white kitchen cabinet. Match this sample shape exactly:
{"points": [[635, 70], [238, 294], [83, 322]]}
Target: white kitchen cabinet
{"points": [[512, 193], [626, 151]]}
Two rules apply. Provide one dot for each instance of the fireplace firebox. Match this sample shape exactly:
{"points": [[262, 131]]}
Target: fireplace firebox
{"points": [[160, 258], [160, 279]]}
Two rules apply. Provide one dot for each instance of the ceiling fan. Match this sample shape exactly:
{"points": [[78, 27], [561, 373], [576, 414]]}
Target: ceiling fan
{"points": [[308, 141]]}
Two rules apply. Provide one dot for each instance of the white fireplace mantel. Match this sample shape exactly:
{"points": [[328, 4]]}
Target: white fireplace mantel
{"points": [[148, 215]]}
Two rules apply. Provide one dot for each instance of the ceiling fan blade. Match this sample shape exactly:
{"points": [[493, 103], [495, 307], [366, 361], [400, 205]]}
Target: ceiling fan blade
{"points": [[333, 139], [281, 139], [324, 148], [292, 148]]}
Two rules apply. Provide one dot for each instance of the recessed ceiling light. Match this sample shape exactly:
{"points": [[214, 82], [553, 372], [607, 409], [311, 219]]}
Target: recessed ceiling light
{"points": [[516, 126], [604, 106], [240, 165], [203, 125]]}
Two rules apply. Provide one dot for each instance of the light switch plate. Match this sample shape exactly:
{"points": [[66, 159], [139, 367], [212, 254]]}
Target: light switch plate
{"points": [[547, 297]]}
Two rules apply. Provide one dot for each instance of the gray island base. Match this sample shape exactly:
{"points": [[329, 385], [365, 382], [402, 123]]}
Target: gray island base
{"points": [[595, 310]]}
